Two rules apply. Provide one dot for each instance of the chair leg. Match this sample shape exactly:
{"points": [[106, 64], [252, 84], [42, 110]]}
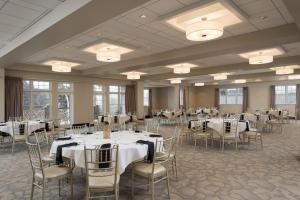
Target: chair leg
{"points": [[71, 183], [261, 142], [32, 189], [168, 184], [152, 188], [59, 185], [132, 185], [175, 163], [206, 143], [43, 191], [13, 147], [195, 144]]}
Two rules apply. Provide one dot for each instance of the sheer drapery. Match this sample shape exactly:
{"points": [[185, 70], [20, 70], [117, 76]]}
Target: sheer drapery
{"points": [[13, 97], [297, 113], [217, 98], [130, 99], [245, 99], [272, 96]]}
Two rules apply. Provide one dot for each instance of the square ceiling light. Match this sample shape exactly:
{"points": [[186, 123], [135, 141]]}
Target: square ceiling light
{"points": [[59, 65], [181, 68], [220, 11], [107, 51], [276, 51]]}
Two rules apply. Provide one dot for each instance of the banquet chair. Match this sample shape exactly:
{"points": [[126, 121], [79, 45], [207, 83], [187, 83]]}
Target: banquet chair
{"points": [[101, 165], [42, 175], [156, 171], [19, 132], [152, 126], [53, 133], [230, 132], [253, 134], [41, 138], [79, 129], [201, 132]]}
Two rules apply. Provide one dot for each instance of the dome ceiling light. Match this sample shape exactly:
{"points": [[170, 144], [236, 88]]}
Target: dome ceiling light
{"points": [[204, 30], [175, 80], [262, 56], [107, 51], [61, 66], [133, 75], [206, 21], [240, 81], [220, 76], [199, 84], [294, 77], [181, 68], [284, 70]]}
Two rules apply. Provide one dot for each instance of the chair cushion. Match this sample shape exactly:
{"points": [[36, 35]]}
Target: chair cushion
{"points": [[47, 159], [105, 183], [145, 170], [252, 133], [253, 129], [54, 171], [20, 137]]}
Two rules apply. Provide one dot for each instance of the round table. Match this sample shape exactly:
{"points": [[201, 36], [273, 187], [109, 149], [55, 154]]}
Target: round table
{"points": [[129, 150]]}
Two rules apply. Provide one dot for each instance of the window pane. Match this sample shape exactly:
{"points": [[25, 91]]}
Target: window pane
{"points": [[41, 85], [26, 84], [113, 88], [231, 96], [26, 100], [40, 99], [64, 105], [65, 87], [113, 109], [113, 99], [122, 88], [122, 100], [146, 97], [280, 99], [291, 94], [97, 88], [98, 105]]}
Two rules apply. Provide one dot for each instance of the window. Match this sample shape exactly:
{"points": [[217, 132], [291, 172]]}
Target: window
{"points": [[231, 96], [36, 99], [285, 94], [65, 102], [98, 100], [146, 97], [116, 99], [181, 96]]}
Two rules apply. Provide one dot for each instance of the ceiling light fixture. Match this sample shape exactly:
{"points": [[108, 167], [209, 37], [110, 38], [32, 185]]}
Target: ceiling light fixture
{"points": [[143, 16], [262, 56], [61, 66], [220, 76], [175, 80], [260, 59], [182, 68], [285, 69], [294, 77], [199, 84], [204, 30], [108, 55], [240, 81], [133, 75]]}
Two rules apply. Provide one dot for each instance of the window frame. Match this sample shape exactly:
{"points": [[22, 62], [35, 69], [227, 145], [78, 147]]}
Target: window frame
{"points": [[238, 96], [120, 93], [146, 97], [102, 93], [31, 90], [285, 94], [66, 92]]}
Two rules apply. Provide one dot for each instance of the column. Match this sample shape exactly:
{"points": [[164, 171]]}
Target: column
{"points": [[2, 95], [139, 91], [173, 97]]}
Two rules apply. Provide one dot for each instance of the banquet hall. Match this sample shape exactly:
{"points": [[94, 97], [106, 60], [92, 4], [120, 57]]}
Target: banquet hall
{"points": [[150, 99]]}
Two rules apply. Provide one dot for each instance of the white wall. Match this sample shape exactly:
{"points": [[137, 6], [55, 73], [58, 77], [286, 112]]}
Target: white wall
{"points": [[2, 95]]}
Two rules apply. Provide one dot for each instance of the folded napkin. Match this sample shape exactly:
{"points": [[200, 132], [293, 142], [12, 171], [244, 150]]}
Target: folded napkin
{"points": [[150, 153], [89, 133], [227, 127], [114, 131], [190, 123], [59, 158], [115, 119], [154, 135], [137, 131], [105, 155], [242, 117], [63, 138]]}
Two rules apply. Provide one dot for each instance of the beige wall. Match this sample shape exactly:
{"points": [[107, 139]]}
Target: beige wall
{"points": [[259, 96], [165, 98], [2, 95], [82, 93]]}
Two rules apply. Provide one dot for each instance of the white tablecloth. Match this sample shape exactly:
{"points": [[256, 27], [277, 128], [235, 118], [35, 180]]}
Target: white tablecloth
{"points": [[217, 124], [129, 150], [32, 126]]}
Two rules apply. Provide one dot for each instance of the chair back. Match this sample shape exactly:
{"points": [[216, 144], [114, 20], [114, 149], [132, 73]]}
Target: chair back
{"points": [[152, 126], [19, 128], [101, 162], [79, 129], [230, 126], [41, 137], [35, 158]]}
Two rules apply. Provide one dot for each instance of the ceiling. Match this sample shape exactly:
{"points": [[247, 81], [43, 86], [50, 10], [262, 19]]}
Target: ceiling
{"points": [[268, 23]]}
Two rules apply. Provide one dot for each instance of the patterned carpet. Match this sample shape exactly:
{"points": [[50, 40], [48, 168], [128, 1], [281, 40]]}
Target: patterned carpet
{"points": [[271, 173]]}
